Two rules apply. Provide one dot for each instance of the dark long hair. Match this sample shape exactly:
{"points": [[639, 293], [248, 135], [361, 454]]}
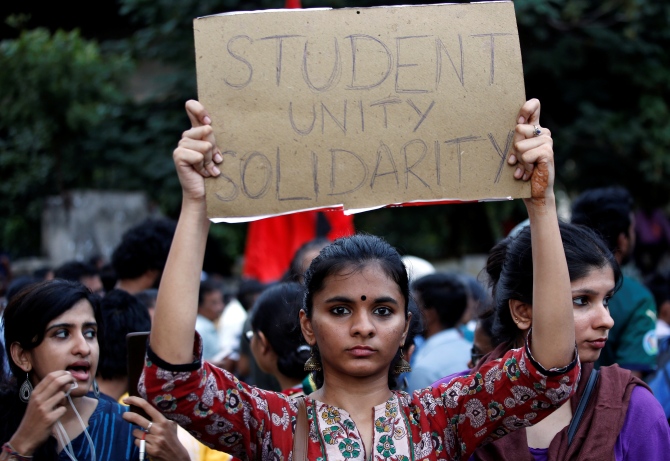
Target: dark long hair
{"points": [[510, 270], [276, 314], [25, 320], [354, 253]]}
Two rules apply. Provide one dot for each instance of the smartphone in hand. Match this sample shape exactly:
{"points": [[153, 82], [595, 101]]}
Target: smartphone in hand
{"points": [[137, 348]]}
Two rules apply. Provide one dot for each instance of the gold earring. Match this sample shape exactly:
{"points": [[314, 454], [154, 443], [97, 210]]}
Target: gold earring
{"points": [[403, 365], [312, 363], [516, 320]]}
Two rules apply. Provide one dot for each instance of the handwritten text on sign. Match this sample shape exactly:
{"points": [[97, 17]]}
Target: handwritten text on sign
{"points": [[360, 107]]}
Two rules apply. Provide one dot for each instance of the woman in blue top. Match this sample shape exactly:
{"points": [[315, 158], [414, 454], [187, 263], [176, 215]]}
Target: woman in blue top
{"points": [[45, 413]]}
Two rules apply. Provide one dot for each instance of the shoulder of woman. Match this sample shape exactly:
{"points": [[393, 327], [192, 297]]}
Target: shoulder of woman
{"points": [[643, 402]]}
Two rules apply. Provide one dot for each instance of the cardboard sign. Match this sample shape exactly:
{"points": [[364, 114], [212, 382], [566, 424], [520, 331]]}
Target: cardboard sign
{"points": [[360, 107]]}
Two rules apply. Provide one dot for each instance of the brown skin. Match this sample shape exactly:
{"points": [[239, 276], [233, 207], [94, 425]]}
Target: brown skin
{"points": [[590, 296], [664, 312], [354, 385], [161, 442], [69, 338], [141, 283], [354, 309], [212, 305], [481, 343]]}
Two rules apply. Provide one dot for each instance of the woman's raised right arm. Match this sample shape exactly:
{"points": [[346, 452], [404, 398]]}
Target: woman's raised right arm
{"points": [[195, 158]]}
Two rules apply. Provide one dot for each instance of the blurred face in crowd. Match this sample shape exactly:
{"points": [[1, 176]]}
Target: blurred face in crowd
{"points": [[481, 346], [212, 305], [307, 259], [93, 283]]}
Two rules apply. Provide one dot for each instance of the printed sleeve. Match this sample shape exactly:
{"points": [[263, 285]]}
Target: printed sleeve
{"points": [[636, 345], [504, 395], [218, 409]]}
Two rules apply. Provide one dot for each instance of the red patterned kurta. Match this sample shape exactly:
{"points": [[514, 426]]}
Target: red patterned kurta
{"points": [[442, 423]]}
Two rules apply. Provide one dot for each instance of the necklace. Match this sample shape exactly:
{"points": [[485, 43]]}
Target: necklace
{"points": [[63, 437]]}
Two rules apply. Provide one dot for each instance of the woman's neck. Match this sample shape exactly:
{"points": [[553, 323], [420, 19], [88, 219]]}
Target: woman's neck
{"points": [[351, 393], [85, 407]]}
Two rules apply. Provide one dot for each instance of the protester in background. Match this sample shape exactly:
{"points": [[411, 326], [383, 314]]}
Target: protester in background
{"points": [[232, 325], [484, 341], [356, 320], [148, 298], [247, 368], [121, 313], [108, 277], [415, 330], [78, 271], [632, 341], [442, 300], [139, 258], [658, 284], [652, 232], [622, 420], [51, 337], [416, 268], [276, 340], [478, 301], [659, 381], [302, 258], [210, 307]]}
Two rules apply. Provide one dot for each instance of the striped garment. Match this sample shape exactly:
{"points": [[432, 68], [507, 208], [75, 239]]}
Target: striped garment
{"points": [[111, 435]]}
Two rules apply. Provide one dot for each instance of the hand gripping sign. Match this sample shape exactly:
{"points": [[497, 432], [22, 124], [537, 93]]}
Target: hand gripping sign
{"points": [[360, 108]]}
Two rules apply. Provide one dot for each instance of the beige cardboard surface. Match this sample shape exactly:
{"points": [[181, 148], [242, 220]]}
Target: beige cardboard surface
{"points": [[360, 107]]}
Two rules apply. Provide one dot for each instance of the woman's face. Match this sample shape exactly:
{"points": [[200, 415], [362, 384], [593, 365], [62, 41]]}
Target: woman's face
{"points": [[358, 322], [70, 343], [590, 298]]}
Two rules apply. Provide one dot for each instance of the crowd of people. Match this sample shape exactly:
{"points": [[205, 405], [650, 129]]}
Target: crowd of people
{"points": [[389, 357]]}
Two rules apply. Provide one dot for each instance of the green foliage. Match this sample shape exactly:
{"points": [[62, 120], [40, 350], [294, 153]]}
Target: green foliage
{"points": [[600, 69], [602, 72], [56, 91]]}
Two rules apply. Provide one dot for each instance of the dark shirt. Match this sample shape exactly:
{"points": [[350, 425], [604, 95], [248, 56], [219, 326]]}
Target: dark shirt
{"points": [[111, 435]]}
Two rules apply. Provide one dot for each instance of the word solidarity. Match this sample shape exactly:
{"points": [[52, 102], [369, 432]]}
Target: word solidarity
{"points": [[345, 171], [360, 108]]}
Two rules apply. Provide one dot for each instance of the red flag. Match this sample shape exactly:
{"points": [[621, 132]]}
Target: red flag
{"points": [[291, 4], [271, 242]]}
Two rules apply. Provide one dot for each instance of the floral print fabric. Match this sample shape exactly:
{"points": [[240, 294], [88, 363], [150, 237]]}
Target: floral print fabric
{"points": [[341, 439], [443, 423]]}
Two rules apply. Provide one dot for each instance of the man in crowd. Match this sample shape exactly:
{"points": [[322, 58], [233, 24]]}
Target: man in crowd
{"points": [[442, 299], [140, 257], [77, 271], [210, 307]]}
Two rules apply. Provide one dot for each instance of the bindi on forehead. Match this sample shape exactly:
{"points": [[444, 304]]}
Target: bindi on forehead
{"points": [[363, 298]]}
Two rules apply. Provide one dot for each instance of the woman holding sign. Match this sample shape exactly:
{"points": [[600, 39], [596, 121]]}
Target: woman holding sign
{"points": [[355, 319]]}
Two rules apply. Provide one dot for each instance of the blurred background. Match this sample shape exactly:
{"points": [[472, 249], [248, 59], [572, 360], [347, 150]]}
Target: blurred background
{"points": [[91, 107]]}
